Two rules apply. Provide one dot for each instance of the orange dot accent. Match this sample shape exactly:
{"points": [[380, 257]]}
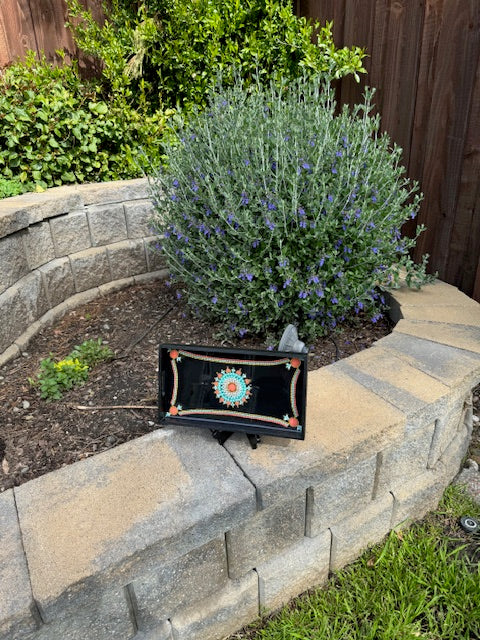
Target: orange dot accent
{"points": [[173, 411], [293, 422], [232, 387], [295, 362], [174, 354]]}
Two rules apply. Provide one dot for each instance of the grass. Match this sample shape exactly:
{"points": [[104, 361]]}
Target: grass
{"points": [[422, 582]]}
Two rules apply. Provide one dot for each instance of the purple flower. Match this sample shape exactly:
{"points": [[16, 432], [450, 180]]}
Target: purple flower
{"points": [[330, 198], [287, 282], [313, 279], [319, 293], [175, 183], [274, 288], [301, 212], [245, 198], [247, 162], [246, 276], [334, 169], [283, 262], [214, 299], [173, 197], [374, 198], [255, 243], [280, 303], [271, 206], [302, 224], [339, 154], [375, 249], [242, 332], [334, 300], [269, 224], [321, 262], [305, 165], [303, 294]]}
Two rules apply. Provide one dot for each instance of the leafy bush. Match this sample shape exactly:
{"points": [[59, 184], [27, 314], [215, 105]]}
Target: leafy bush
{"points": [[171, 50], [55, 378], [274, 209], [56, 129]]}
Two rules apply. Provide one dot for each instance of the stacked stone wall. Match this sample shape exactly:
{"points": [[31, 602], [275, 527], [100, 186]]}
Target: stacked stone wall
{"points": [[175, 537]]}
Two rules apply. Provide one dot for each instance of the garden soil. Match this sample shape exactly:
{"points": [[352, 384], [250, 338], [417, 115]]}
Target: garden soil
{"points": [[118, 401]]}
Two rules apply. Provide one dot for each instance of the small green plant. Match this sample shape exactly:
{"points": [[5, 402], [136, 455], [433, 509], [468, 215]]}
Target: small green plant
{"points": [[55, 378], [274, 208]]}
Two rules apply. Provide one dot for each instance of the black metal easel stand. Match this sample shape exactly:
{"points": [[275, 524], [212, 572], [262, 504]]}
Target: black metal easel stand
{"points": [[223, 436]]}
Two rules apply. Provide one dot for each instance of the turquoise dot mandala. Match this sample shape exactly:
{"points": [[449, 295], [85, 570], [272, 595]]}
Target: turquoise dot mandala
{"points": [[232, 387]]}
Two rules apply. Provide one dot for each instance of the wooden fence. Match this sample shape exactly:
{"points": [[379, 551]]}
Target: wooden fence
{"points": [[424, 62], [423, 59]]}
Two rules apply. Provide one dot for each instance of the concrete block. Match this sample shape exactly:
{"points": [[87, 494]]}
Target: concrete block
{"points": [[433, 295], [13, 261], [111, 192], [16, 602], [468, 314], [221, 614], [58, 280], [174, 586], [450, 422], [38, 243], [107, 224], [110, 518], [300, 567], [162, 632], [452, 366], [20, 306], [105, 617], [12, 217], [9, 354], [127, 258], [155, 258], [31, 208], [455, 335], [396, 381], [265, 534], [416, 497], [70, 233], [404, 459], [345, 424], [143, 278], [115, 285], [339, 495], [90, 268], [361, 530], [450, 462], [138, 215]]}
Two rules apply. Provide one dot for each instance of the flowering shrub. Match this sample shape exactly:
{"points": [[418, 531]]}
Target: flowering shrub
{"points": [[275, 208]]}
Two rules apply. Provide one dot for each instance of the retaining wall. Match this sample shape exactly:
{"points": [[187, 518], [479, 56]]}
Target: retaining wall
{"points": [[175, 537], [66, 246]]}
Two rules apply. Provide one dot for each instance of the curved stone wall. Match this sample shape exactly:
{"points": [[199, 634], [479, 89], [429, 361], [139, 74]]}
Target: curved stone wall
{"points": [[175, 537], [62, 248]]}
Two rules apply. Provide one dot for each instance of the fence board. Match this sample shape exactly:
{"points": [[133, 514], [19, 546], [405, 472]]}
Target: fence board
{"points": [[17, 34], [452, 73], [49, 22]]}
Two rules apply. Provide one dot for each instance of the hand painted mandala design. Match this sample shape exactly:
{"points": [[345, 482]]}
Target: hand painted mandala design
{"points": [[232, 387]]}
